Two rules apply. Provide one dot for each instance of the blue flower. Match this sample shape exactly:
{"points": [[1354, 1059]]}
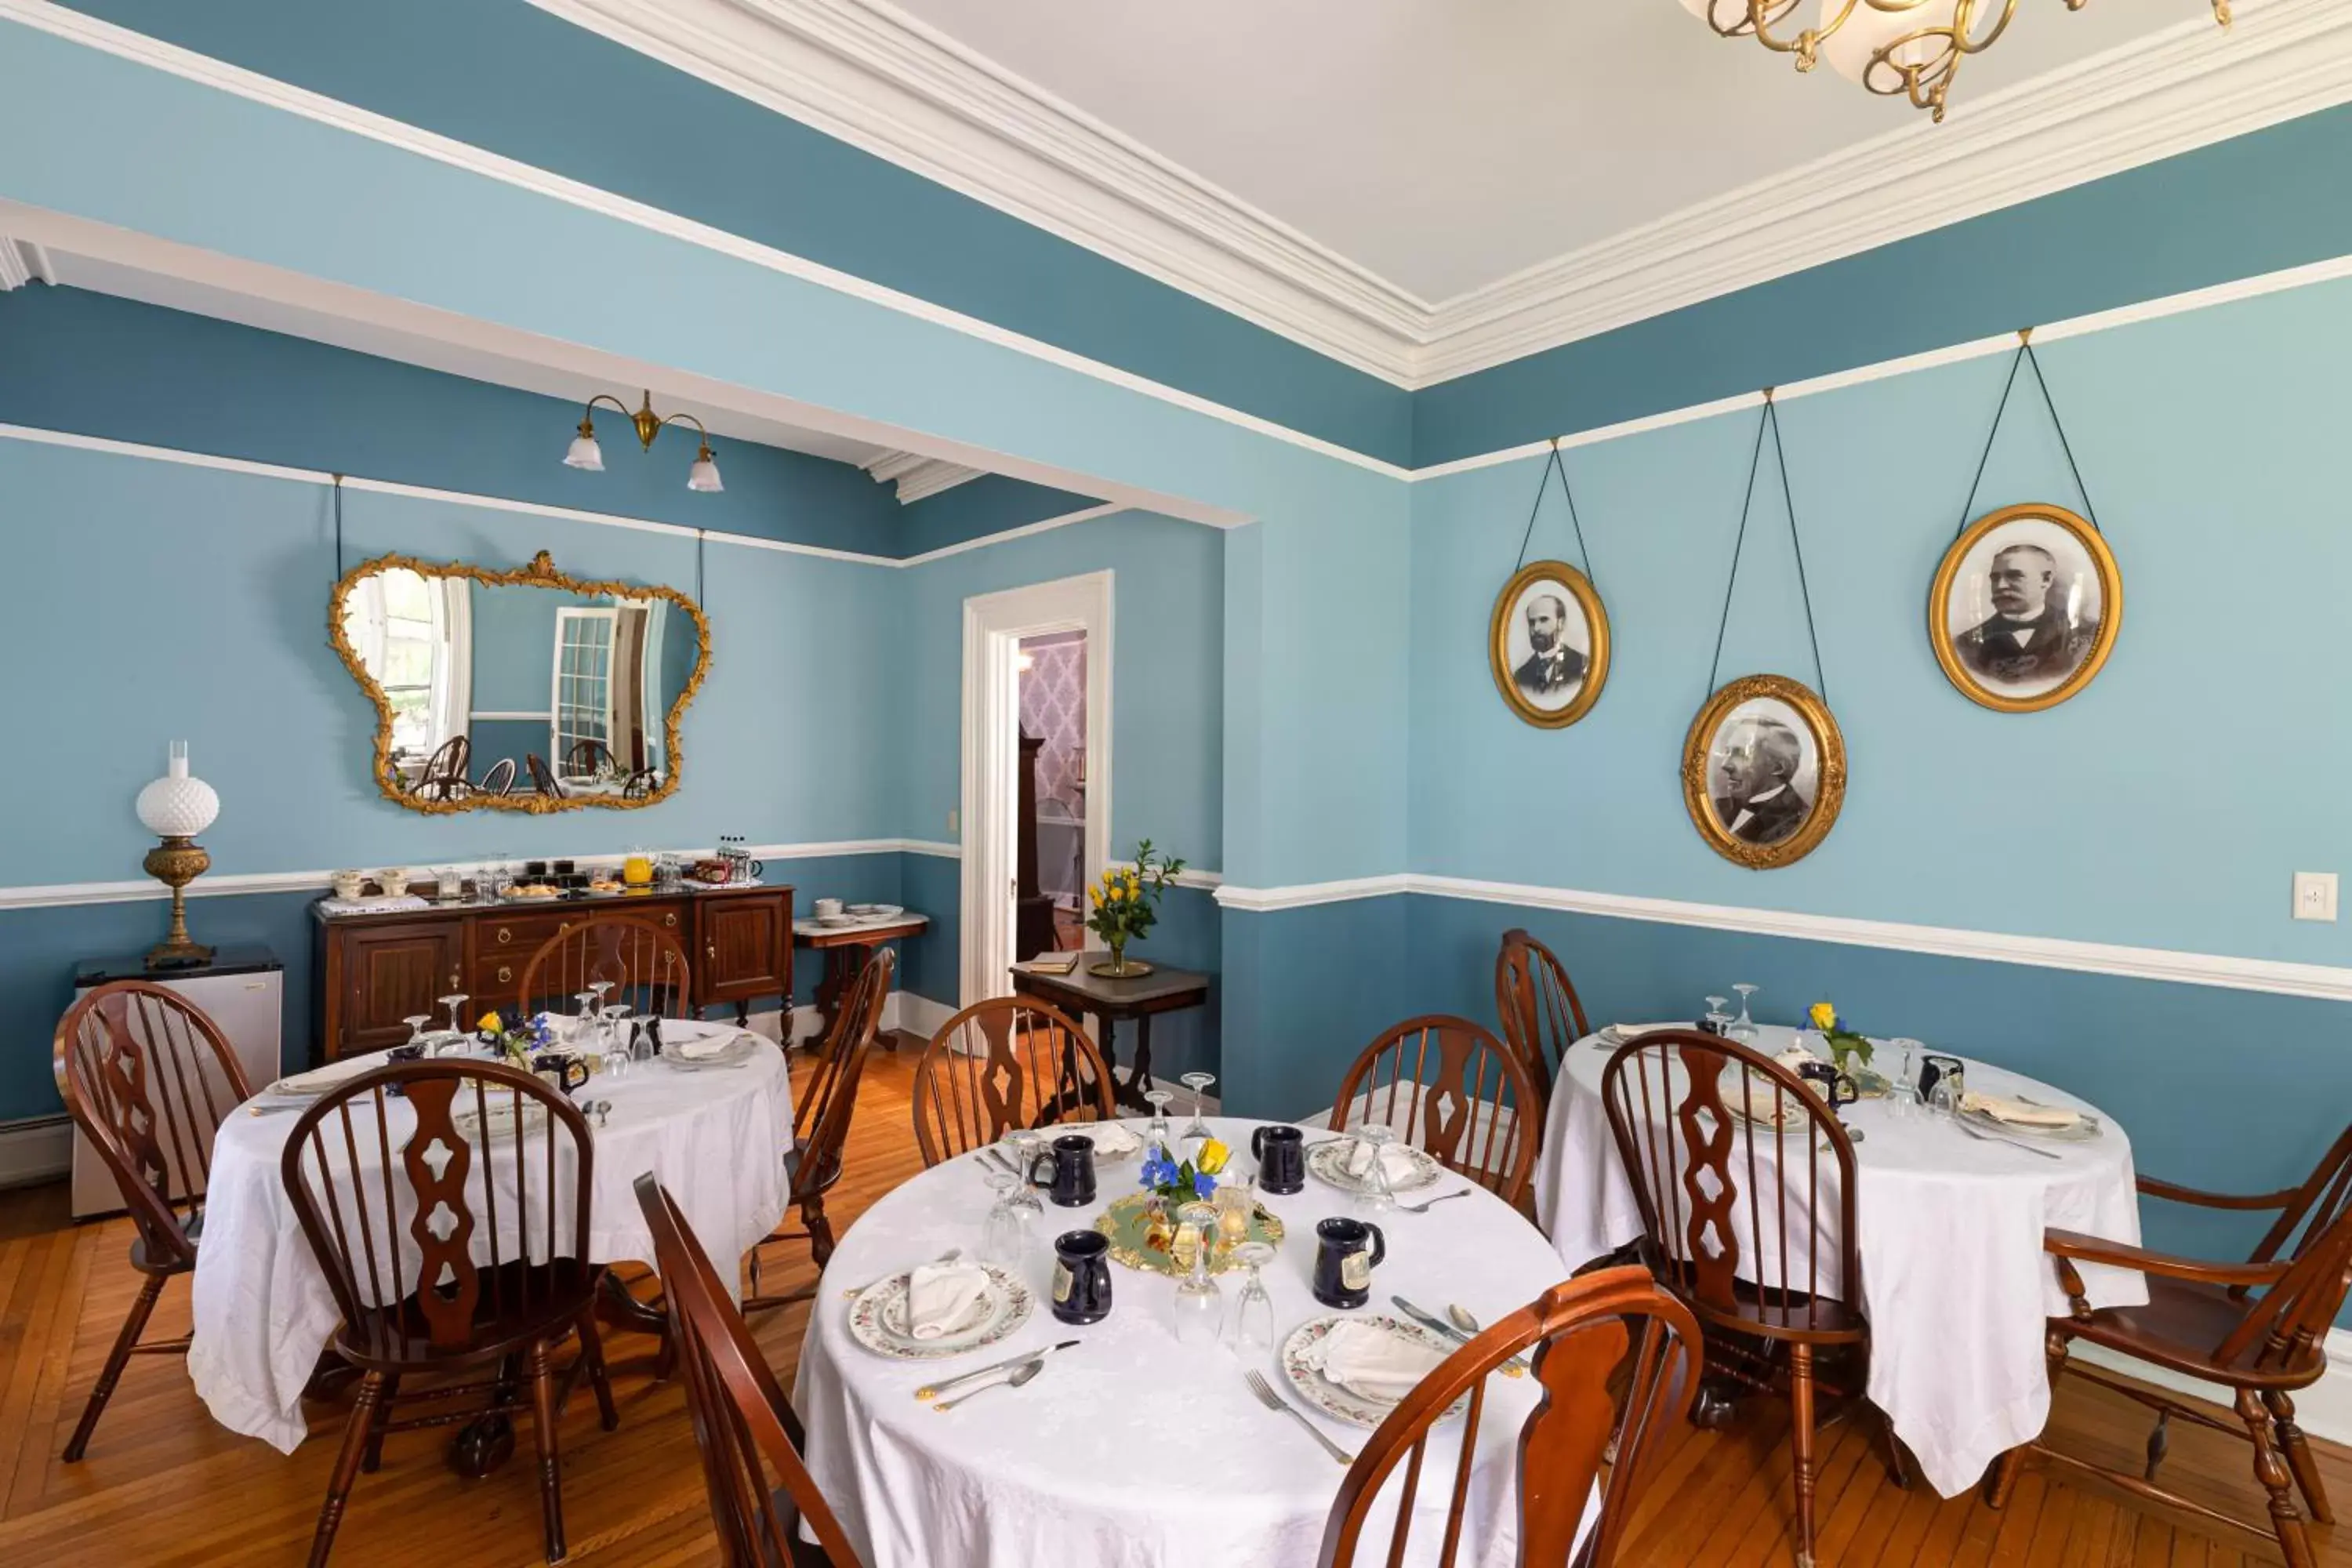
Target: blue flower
{"points": [[1159, 1172], [1203, 1184]]}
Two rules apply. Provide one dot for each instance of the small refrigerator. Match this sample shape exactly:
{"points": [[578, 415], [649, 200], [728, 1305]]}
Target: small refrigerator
{"points": [[242, 990]]}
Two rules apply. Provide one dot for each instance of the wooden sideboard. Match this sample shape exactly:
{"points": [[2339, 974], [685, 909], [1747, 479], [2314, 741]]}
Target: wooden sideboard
{"points": [[373, 971]]}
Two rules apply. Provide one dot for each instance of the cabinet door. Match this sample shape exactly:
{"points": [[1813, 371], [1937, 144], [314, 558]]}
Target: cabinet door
{"points": [[744, 945], [390, 973]]}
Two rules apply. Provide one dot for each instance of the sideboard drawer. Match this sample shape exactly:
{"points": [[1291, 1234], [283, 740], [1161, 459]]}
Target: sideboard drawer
{"points": [[504, 938]]}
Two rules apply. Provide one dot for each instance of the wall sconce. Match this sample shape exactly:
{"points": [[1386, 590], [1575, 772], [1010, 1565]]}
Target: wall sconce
{"points": [[586, 455]]}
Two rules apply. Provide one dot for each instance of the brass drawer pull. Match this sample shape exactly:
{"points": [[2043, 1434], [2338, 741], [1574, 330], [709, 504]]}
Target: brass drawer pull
{"points": [[505, 935], [712, 950], [670, 918], [505, 975]]}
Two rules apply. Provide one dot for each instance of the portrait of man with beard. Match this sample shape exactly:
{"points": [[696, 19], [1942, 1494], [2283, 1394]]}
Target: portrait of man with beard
{"points": [[1552, 669], [2031, 636]]}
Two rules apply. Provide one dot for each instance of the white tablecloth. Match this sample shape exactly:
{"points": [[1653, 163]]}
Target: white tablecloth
{"points": [[262, 1310], [1132, 1451], [1954, 1279]]}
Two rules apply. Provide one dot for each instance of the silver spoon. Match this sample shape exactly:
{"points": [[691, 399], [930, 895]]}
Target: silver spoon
{"points": [[1017, 1379], [1463, 1320]]}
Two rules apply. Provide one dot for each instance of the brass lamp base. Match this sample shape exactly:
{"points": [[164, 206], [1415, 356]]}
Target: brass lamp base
{"points": [[175, 863]]}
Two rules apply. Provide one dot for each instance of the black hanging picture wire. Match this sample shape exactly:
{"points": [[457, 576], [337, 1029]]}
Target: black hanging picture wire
{"points": [[1552, 464], [2026, 356], [701, 534], [338, 528], [1769, 420]]}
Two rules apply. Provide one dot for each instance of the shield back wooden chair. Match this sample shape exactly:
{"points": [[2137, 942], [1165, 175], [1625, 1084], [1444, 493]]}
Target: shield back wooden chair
{"points": [[645, 963], [740, 1416], [444, 775], [1617, 1358], [1007, 1063], [820, 1120], [1542, 1015], [460, 1252], [1746, 1185], [542, 781], [2206, 1321], [147, 1078], [500, 779], [1449, 1088]]}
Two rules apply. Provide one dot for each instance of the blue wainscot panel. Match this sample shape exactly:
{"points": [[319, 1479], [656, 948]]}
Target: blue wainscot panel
{"points": [[1305, 990]]}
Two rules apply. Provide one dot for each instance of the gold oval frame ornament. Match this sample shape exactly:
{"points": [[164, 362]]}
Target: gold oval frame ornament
{"points": [[1596, 661], [2111, 606], [1828, 791], [539, 574]]}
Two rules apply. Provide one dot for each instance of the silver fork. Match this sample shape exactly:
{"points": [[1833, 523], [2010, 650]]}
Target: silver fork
{"points": [[1273, 1401], [1424, 1206]]}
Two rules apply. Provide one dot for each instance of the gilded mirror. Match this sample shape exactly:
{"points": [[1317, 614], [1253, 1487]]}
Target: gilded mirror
{"points": [[519, 690]]}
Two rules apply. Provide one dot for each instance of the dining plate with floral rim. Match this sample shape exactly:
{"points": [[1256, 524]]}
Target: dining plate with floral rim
{"points": [[877, 1318], [1328, 1164], [1336, 1400]]}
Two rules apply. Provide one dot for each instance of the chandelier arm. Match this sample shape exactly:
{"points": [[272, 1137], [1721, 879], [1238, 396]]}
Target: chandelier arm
{"points": [[1807, 40], [670, 419], [588, 411]]}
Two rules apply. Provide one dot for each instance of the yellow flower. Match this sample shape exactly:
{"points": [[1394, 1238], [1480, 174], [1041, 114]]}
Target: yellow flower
{"points": [[1825, 1017], [1211, 1158], [1097, 894], [490, 1022]]}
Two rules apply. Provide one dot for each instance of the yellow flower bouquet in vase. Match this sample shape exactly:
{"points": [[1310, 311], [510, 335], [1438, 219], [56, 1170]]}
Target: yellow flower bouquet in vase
{"points": [[1127, 906]]}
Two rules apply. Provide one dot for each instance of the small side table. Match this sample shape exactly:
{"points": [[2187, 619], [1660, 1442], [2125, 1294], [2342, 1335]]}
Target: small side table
{"points": [[1112, 1001], [847, 950]]}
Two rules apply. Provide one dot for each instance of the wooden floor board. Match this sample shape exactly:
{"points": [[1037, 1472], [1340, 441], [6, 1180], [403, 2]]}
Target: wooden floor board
{"points": [[164, 1485]]}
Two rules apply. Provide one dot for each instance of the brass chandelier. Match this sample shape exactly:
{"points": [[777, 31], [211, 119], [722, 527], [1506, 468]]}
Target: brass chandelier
{"points": [[1907, 47]]}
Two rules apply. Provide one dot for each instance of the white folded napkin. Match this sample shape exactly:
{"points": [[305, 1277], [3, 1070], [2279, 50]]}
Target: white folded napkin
{"points": [[940, 1296], [2019, 1112], [318, 1080], [1373, 1362], [1401, 1160], [704, 1047], [1110, 1138]]}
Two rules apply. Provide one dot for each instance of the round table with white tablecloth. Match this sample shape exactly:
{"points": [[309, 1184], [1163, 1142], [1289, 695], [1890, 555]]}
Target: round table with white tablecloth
{"points": [[1132, 1449], [262, 1310], [1954, 1279]]}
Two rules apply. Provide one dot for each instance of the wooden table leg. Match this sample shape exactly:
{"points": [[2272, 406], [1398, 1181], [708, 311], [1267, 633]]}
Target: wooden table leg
{"points": [[1129, 1091], [841, 966]]}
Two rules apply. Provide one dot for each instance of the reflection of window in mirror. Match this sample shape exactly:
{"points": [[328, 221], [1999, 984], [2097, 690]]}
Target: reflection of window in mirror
{"points": [[410, 632], [582, 732]]}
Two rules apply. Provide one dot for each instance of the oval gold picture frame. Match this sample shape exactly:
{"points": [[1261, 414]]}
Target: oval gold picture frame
{"points": [[2102, 642], [1596, 660], [1829, 788], [539, 574]]}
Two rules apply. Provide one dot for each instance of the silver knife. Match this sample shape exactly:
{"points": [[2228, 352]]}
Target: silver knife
{"points": [[1515, 1367], [933, 1389]]}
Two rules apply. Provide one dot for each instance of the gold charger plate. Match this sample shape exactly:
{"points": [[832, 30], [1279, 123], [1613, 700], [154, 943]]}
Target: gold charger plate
{"points": [[1126, 1225]]}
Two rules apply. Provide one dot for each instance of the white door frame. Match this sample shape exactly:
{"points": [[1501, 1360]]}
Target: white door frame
{"points": [[993, 626]]}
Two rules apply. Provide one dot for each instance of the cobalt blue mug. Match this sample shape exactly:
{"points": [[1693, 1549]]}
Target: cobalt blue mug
{"points": [[1082, 1276], [1281, 1154], [1068, 1172], [1343, 1268]]}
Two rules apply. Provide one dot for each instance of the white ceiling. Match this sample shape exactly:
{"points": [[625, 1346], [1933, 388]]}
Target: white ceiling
{"points": [[1444, 146]]}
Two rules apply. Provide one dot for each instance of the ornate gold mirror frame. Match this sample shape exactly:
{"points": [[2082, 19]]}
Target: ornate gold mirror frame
{"points": [[539, 574]]}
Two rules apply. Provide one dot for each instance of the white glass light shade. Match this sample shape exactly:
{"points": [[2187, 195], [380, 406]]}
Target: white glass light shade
{"points": [[704, 475], [178, 804], [1872, 26], [585, 454]]}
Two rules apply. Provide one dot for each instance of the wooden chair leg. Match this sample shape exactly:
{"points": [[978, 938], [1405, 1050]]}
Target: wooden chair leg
{"points": [[592, 1350], [111, 1372], [2010, 1466], [820, 1231], [2272, 1471], [1898, 1457], [375, 1459], [2298, 1455], [550, 1466], [1801, 1442], [356, 1430]]}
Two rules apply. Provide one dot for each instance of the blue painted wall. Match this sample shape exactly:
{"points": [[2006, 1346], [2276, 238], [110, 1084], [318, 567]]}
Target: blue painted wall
{"points": [[539, 89], [2167, 806], [96, 365]]}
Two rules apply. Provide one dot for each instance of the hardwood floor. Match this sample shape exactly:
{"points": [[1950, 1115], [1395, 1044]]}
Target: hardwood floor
{"points": [[162, 1484]]}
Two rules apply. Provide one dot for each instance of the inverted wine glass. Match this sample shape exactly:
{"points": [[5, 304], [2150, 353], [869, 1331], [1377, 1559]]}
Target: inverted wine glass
{"points": [[1199, 1126]]}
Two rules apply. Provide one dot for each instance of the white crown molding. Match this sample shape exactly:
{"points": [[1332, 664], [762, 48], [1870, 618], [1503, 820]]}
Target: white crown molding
{"points": [[865, 72], [918, 475], [2322, 982], [23, 262], [59, 895]]}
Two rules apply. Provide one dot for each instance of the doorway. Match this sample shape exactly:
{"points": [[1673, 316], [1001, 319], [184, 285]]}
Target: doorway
{"points": [[1040, 655]]}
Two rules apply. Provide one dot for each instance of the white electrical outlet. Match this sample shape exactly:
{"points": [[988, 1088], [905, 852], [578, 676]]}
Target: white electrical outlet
{"points": [[2314, 895]]}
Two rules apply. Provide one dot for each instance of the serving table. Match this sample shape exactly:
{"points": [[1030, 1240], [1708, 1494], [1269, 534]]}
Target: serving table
{"points": [[847, 948], [263, 1311], [1114, 1001], [1954, 1280], [1132, 1448]]}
